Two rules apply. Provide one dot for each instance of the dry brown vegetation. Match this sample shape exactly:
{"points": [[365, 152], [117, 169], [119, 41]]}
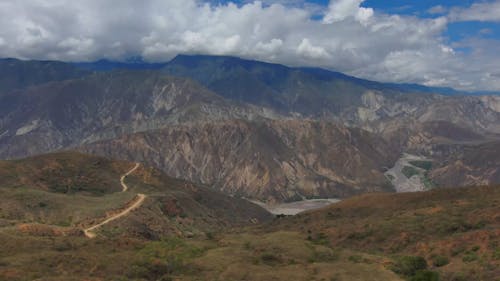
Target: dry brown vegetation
{"points": [[188, 232], [461, 225]]}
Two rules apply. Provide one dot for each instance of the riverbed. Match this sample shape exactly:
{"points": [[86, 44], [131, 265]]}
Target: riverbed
{"points": [[293, 208]]}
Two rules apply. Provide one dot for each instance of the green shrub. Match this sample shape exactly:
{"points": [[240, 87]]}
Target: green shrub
{"points": [[159, 259], [458, 250], [270, 259], [409, 265], [496, 254], [425, 275], [458, 276], [470, 257], [426, 165], [458, 225], [327, 255], [210, 236], [409, 171], [439, 261], [153, 269], [321, 239], [63, 246], [247, 245], [361, 235], [356, 259]]}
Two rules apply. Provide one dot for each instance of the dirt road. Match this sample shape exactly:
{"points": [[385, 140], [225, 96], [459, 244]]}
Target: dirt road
{"points": [[136, 204], [122, 179]]}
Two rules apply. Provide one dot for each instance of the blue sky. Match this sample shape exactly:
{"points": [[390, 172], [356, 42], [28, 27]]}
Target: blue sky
{"points": [[436, 43], [421, 9]]}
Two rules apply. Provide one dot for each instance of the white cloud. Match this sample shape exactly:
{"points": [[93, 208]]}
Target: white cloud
{"points": [[485, 31], [349, 38], [339, 10], [270, 47], [437, 10], [482, 11], [307, 50]]}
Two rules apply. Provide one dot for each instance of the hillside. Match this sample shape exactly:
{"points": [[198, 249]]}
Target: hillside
{"points": [[18, 74], [105, 105], [450, 233], [456, 230], [281, 160], [311, 92], [321, 94], [469, 165], [72, 190], [364, 126]]}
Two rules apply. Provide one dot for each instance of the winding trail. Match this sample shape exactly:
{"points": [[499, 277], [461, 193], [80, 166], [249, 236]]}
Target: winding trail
{"points": [[122, 179], [139, 199]]}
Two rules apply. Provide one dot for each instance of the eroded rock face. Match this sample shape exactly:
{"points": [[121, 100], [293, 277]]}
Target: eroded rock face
{"points": [[106, 105], [192, 131], [493, 102], [269, 160], [469, 165]]}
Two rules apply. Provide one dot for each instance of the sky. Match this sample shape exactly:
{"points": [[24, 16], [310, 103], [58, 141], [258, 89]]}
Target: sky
{"points": [[435, 43]]}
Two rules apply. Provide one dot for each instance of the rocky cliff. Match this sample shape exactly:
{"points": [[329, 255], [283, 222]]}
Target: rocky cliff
{"points": [[268, 160], [58, 115]]}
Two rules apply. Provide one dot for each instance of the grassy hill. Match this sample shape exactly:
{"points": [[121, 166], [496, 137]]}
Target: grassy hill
{"points": [[73, 190], [188, 232], [455, 230]]}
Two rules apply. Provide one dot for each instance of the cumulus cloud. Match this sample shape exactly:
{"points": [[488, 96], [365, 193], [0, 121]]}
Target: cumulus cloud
{"points": [[306, 49], [347, 36], [339, 10]]}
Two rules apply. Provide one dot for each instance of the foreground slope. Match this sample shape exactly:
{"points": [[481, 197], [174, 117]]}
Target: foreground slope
{"points": [[74, 191], [177, 233], [445, 234], [456, 230]]}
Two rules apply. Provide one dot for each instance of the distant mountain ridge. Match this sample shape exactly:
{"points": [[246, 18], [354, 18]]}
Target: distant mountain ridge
{"points": [[133, 113], [17, 74], [78, 69], [108, 65], [193, 60]]}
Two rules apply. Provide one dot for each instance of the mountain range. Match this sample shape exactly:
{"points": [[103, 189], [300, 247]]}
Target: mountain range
{"points": [[250, 129]]}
